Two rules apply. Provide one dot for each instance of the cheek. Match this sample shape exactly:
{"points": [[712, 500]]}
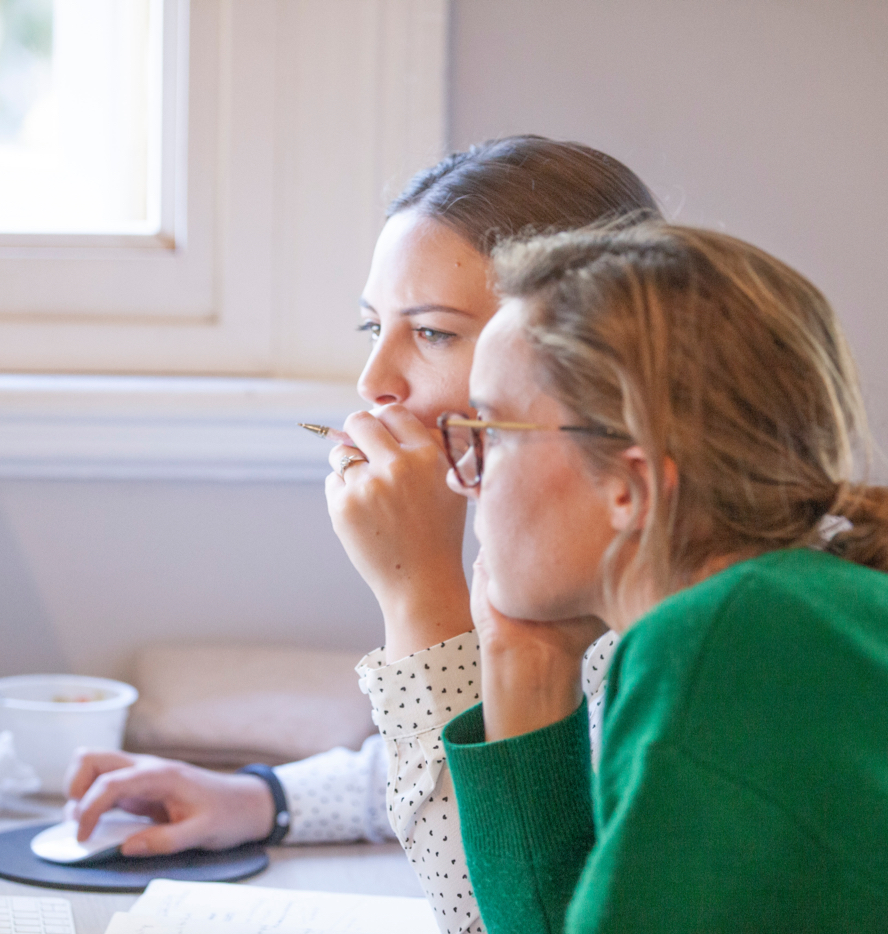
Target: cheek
{"points": [[543, 551], [515, 543], [440, 386]]}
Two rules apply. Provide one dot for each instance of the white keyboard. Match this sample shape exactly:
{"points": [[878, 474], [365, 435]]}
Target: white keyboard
{"points": [[35, 916]]}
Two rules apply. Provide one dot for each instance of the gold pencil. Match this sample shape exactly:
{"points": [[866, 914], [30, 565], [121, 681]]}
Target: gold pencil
{"points": [[325, 431]]}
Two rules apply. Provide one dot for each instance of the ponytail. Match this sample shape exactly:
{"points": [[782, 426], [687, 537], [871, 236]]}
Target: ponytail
{"points": [[866, 541]]}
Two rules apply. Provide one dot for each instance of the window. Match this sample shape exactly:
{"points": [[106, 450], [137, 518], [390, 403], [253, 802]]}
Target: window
{"points": [[80, 116], [271, 134]]}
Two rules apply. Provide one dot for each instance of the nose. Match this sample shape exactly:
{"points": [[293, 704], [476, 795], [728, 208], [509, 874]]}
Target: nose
{"points": [[383, 380]]}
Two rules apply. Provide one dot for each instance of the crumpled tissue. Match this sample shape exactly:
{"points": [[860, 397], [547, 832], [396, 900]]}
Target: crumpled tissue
{"points": [[16, 777]]}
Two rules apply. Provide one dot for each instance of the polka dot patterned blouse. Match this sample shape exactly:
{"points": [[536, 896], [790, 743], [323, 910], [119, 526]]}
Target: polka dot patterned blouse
{"points": [[338, 796], [413, 700]]}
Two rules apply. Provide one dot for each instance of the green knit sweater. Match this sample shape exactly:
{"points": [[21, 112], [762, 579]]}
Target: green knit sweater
{"points": [[743, 784]]}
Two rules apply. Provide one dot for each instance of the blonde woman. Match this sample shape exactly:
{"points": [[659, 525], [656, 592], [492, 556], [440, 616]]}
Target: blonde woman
{"points": [[668, 426]]}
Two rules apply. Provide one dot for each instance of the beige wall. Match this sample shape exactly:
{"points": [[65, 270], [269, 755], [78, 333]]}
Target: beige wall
{"points": [[765, 118]]}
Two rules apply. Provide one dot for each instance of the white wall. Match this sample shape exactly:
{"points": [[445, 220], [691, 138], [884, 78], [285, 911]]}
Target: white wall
{"points": [[766, 118], [89, 570]]}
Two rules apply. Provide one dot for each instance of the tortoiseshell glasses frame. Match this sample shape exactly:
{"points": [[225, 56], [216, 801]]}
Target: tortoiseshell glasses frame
{"points": [[456, 452]]}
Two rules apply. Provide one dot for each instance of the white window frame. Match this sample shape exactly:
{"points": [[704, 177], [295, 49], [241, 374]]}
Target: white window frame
{"points": [[253, 280], [167, 116], [77, 280]]}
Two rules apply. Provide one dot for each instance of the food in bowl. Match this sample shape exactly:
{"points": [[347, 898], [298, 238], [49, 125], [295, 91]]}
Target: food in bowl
{"points": [[79, 698]]}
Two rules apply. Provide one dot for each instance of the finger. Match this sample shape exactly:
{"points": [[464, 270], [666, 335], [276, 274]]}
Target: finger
{"points": [[165, 838], [371, 435], [140, 806], [405, 427], [86, 766], [469, 492], [333, 486], [114, 787], [341, 451]]}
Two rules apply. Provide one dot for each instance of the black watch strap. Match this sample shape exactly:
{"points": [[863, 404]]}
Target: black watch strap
{"points": [[281, 811]]}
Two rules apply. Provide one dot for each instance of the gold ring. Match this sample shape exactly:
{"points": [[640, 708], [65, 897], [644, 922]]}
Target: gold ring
{"points": [[347, 462]]}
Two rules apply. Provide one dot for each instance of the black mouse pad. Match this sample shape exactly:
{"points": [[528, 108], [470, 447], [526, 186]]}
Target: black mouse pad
{"points": [[124, 873]]}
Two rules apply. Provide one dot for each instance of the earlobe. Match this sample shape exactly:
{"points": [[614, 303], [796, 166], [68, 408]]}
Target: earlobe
{"points": [[624, 512]]}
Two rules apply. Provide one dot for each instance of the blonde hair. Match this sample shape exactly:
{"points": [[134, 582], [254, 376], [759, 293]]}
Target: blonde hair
{"points": [[712, 353]]}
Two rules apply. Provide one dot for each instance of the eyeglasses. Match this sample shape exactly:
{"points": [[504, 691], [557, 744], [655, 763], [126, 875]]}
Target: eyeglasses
{"points": [[465, 440]]}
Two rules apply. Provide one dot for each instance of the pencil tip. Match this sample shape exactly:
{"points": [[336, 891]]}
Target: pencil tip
{"points": [[317, 429]]}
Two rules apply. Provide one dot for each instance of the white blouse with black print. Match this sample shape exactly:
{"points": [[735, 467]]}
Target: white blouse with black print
{"points": [[338, 796], [413, 700]]}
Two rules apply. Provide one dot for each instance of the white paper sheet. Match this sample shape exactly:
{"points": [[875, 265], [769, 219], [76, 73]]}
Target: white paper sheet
{"points": [[123, 923], [168, 907]]}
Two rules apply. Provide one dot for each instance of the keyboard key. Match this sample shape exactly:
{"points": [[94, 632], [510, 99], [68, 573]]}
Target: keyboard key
{"points": [[24, 915]]}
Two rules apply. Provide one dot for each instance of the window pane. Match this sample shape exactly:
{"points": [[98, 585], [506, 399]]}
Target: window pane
{"points": [[80, 90]]}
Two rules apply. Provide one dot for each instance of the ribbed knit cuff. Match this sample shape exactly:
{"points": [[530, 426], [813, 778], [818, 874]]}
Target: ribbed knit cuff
{"points": [[532, 791]]}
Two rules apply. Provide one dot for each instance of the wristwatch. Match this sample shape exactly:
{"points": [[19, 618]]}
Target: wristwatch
{"points": [[281, 811]]}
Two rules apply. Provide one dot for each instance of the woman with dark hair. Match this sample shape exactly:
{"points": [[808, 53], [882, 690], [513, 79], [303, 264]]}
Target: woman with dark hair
{"points": [[428, 295]]}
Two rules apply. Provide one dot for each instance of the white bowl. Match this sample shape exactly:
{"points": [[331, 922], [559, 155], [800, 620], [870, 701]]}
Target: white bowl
{"points": [[51, 715]]}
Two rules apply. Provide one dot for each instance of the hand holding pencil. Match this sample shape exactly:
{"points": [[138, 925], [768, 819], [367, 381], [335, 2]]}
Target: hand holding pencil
{"points": [[400, 524], [347, 460], [325, 431]]}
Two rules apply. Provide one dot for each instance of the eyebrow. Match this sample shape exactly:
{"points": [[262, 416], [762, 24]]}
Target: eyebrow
{"points": [[421, 309]]}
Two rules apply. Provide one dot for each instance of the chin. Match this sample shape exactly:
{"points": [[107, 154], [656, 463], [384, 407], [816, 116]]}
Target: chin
{"points": [[517, 603], [516, 600]]}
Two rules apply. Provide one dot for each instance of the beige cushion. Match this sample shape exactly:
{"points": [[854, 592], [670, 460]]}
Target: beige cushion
{"points": [[229, 704]]}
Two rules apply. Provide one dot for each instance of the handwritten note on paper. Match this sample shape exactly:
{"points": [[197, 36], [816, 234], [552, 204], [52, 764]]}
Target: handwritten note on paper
{"points": [[123, 923], [223, 908]]}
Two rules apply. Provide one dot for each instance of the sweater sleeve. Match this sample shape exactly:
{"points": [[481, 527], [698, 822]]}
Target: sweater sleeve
{"points": [[525, 808]]}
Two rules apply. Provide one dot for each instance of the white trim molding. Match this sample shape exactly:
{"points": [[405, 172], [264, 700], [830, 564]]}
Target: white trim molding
{"points": [[162, 428]]}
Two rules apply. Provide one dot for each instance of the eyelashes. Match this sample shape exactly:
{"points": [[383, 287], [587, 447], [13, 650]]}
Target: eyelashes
{"points": [[371, 328], [428, 335], [434, 336]]}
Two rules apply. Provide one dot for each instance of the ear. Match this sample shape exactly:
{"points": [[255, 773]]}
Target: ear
{"points": [[627, 514]]}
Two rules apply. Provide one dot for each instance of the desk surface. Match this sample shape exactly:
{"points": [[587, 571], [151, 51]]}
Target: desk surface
{"points": [[371, 869]]}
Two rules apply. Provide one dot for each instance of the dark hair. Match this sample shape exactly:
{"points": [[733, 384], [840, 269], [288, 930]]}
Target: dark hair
{"points": [[525, 184]]}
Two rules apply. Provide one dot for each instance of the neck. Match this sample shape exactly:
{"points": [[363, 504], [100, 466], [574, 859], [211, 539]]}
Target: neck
{"points": [[720, 562], [642, 597]]}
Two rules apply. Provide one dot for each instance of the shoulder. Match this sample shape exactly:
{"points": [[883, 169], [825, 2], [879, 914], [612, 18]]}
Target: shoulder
{"points": [[759, 597], [752, 640]]}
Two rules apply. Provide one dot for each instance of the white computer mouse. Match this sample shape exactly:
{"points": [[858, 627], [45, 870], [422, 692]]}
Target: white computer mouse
{"points": [[59, 843]]}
